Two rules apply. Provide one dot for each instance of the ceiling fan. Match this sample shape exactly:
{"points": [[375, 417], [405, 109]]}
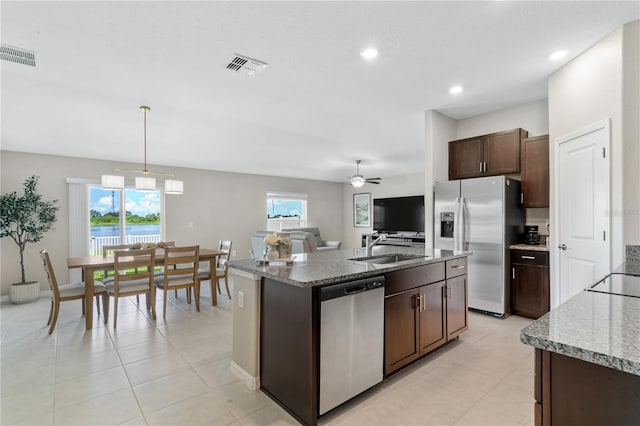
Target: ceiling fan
{"points": [[358, 180]]}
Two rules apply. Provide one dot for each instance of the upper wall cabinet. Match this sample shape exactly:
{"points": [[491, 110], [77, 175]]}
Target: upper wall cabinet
{"points": [[488, 155], [535, 171]]}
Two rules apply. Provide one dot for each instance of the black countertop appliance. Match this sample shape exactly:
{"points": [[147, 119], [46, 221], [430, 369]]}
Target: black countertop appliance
{"points": [[531, 234]]}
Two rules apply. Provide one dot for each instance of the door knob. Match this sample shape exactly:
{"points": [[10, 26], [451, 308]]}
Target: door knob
{"points": [[562, 246]]}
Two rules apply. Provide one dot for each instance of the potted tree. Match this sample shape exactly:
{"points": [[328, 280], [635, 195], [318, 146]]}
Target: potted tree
{"points": [[25, 219]]}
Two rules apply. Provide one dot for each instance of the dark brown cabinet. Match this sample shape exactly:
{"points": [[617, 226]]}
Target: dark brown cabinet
{"points": [[425, 307], [535, 171], [487, 155], [530, 293], [570, 391]]}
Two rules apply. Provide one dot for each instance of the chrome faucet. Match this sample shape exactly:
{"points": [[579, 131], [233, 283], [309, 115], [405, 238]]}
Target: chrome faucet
{"points": [[368, 244]]}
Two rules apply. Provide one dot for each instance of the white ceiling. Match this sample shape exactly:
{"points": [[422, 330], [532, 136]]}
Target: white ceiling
{"points": [[312, 112]]}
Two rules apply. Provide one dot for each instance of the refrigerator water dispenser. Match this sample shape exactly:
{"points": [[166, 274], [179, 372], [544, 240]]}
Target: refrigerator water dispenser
{"points": [[446, 225]]}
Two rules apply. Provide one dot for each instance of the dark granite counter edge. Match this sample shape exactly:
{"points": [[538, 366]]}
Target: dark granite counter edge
{"points": [[582, 354], [336, 279]]}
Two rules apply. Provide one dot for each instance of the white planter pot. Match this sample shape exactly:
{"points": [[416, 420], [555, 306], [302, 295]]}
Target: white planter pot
{"points": [[24, 293]]}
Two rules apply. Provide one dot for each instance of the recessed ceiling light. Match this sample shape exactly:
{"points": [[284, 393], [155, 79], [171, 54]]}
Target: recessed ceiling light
{"points": [[456, 89], [369, 53], [558, 55]]}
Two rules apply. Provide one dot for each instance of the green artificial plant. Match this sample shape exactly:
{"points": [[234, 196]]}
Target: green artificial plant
{"points": [[26, 218]]}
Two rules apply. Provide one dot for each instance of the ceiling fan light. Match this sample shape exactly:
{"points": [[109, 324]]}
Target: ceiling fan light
{"points": [[145, 184], [357, 181], [172, 186], [112, 182]]}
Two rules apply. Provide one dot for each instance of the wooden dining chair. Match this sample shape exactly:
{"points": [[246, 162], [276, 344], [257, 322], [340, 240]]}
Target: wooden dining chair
{"points": [[180, 271], [73, 291], [109, 250], [204, 274], [133, 276]]}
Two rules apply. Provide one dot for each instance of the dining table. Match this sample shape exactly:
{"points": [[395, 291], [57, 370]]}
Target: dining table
{"points": [[92, 264]]}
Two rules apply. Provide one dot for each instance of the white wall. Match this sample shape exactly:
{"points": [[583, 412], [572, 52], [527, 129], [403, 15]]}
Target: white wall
{"points": [[533, 117], [220, 205], [587, 90], [631, 131], [395, 186], [604, 82]]}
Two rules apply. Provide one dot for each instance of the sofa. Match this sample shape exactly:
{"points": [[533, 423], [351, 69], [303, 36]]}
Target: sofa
{"points": [[320, 243], [301, 242]]}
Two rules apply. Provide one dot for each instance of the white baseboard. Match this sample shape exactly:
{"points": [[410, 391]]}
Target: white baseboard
{"points": [[247, 379], [43, 293]]}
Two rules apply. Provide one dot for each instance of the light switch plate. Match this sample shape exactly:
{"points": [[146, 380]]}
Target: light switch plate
{"points": [[241, 299]]}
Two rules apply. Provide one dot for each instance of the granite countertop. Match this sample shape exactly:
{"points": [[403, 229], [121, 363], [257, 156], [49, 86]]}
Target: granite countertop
{"points": [[599, 328], [333, 266], [532, 247], [630, 267]]}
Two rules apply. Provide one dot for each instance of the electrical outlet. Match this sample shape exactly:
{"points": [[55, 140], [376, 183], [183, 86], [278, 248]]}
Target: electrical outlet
{"points": [[241, 299]]}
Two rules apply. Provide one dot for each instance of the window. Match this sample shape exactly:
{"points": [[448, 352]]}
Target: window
{"points": [[286, 211], [140, 223]]}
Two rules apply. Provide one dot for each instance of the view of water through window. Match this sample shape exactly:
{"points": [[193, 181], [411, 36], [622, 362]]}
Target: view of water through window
{"points": [[142, 217]]}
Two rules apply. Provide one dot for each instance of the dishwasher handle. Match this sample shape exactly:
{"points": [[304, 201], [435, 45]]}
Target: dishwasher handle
{"points": [[350, 288], [354, 290]]}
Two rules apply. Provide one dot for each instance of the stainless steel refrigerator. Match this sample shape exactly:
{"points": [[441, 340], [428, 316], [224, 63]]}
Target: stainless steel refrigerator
{"points": [[484, 216]]}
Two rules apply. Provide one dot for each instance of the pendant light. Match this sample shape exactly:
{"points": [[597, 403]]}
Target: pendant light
{"points": [[144, 182]]}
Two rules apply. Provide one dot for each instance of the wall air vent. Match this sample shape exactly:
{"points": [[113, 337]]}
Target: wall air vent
{"points": [[17, 55], [244, 65]]}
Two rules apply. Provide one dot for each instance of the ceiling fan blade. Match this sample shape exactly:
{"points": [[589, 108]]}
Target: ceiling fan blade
{"points": [[374, 178], [373, 181]]}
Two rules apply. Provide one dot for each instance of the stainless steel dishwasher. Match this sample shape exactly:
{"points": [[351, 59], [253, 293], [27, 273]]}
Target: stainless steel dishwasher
{"points": [[351, 339]]}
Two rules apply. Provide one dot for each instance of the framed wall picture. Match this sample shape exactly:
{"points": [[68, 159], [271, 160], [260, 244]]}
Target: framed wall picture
{"points": [[362, 210]]}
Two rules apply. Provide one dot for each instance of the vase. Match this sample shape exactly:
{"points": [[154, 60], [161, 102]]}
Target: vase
{"points": [[20, 293], [273, 253]]}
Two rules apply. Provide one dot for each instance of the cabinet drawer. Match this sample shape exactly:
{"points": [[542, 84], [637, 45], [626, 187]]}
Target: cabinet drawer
{"points": [[530, 257], [456, 267], [406, 279]]}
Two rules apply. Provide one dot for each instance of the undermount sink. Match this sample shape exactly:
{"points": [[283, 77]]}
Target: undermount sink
{"points": [[390, 258]]}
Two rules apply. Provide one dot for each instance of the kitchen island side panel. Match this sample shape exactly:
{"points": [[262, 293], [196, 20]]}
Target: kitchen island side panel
{"points": [[289, 348]]}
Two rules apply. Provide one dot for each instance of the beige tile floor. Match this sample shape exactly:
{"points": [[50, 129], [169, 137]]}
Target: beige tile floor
{"points": [[176, 372]]}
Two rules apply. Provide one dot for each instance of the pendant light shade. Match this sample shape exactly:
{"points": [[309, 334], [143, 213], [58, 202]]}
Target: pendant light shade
{"points": [[143, 183], [173, 187], [112, 182]]}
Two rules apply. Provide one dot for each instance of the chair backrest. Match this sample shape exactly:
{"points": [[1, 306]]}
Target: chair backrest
{"points": [[111, 249], [51, 276], [225, 247], [181, 261], [141, 262]]}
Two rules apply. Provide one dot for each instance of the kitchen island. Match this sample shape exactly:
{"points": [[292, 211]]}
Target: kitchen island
{"points": [[278, 317], [587, 357]]}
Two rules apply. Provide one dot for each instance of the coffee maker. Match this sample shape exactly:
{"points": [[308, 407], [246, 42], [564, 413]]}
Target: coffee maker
{"points": [[531, 234]]}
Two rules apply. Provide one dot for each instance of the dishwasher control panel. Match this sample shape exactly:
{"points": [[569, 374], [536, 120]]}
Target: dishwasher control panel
{"points": [[350, 287]]}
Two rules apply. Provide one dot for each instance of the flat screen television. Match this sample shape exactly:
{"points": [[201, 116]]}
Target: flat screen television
{"points": [[399, 214]]}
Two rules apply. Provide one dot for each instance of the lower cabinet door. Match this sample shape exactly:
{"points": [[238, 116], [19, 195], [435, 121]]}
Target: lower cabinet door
{"points": [[401, 330], [530, 291], [456, 295], [433, 321]]}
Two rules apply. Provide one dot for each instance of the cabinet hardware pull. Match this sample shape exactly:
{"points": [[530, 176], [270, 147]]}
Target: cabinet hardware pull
{"points": [[481, 166], [457, 267], [529, 257], [513, 273], [418, 304], [450, 291], [423, 302], [485, 166]]}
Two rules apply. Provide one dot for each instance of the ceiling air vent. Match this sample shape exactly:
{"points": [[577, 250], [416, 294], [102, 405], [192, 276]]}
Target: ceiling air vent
{"points": [[244, 65], [17, 55]]}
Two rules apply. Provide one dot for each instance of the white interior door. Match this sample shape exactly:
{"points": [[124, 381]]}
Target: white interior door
{"points": [[582, 208]]}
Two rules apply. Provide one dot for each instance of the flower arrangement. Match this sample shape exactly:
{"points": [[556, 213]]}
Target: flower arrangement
{"points": [[274, 240]]}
